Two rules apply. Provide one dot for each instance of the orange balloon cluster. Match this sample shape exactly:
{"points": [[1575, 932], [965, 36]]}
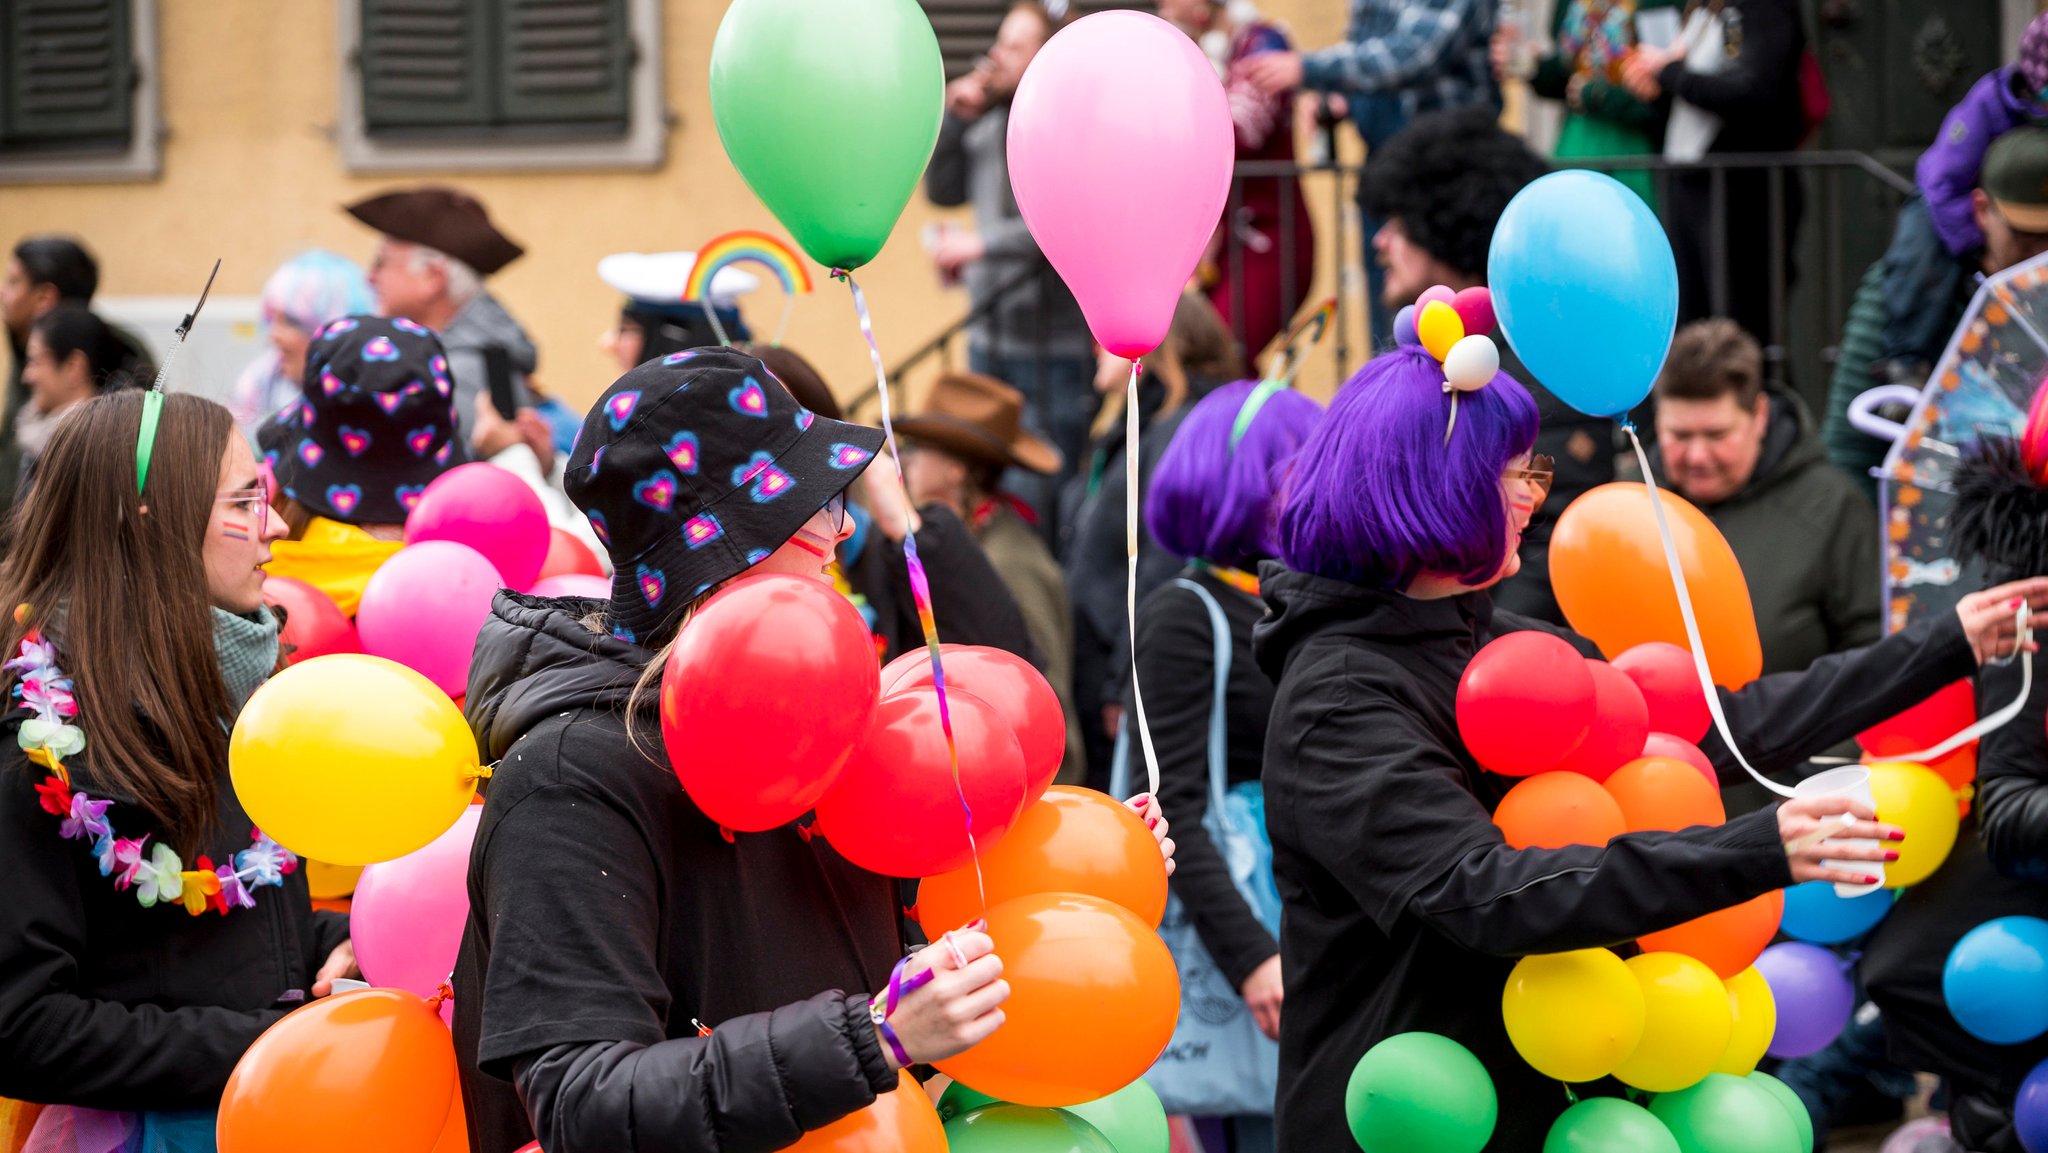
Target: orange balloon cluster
{"points": [[1071, 840], [903, 1120]]}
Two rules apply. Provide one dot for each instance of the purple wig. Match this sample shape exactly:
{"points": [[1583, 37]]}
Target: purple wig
{"points": [[1215, 503], [1377, 497]]}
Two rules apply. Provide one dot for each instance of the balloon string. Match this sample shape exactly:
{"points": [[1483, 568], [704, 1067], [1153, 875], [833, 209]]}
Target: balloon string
{"points": [[711, 314], [782, 326], [1131, 567], [1692, 624], [920, 586]]}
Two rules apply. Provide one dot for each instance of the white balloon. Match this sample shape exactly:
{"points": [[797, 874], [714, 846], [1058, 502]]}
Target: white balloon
{"points": [[1471, 363]]}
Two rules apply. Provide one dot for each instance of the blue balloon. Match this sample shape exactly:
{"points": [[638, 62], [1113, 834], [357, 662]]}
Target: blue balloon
{"points": [[1586, 289], [1996, 980], [1814, 913], [2030, 1111]]}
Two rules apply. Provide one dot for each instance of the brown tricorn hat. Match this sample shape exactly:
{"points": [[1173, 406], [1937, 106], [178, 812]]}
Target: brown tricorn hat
{"points": [[441, 218]]}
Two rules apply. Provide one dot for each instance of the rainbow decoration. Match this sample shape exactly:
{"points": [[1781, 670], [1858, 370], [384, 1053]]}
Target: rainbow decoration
{"points": [[747, 246]]}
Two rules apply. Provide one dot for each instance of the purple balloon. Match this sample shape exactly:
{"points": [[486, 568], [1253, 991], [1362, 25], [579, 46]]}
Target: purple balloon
{"points": [[2030, 1112], [1404, 326], [1813, 996]]}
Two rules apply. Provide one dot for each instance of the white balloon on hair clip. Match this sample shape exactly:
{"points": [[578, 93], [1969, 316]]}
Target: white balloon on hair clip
{"points": [[1471, 363]]}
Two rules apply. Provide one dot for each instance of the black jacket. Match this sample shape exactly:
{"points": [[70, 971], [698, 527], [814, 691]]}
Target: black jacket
{"points": [[109, 1005], [607, 914], [1405, 909], [2012, 777]]}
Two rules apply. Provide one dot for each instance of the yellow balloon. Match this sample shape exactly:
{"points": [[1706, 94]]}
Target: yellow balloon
{"points": [[1916, 799], [1439, 328], [352, 759], [1756, 1018], [331, 882], [1687, 1023], [1573, 1016]]}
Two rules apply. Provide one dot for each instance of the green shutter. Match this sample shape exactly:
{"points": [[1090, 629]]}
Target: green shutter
{"points": [[565, 61], [967, 28], [425, 64], [67, 73]]}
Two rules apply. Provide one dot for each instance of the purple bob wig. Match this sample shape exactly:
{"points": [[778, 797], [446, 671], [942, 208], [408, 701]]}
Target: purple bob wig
{"points": [[1378, 498], [1212, 502]]}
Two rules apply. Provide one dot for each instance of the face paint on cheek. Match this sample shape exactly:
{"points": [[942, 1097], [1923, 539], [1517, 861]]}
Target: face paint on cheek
{"points": [[234, 530], [799, 541]]}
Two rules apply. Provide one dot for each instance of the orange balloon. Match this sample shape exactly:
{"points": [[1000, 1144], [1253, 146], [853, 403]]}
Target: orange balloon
{"points": [[1071, 840], [1727, 941], [1552, 810], [1607, 568], [1094, 997], [454, 1131], [371, 1069], [1664, 793], [901, 1121]]}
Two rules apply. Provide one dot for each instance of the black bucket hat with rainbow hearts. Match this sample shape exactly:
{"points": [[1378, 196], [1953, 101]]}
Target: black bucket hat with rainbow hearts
{"points": [[693, 468], [373, 426]]}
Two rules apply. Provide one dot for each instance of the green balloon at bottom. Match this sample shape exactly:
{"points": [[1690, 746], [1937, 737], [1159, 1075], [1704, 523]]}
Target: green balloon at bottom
{"points": [[1801, 1119], [1131, 1119], [1021, 1129], [1420, 1091], [1609, 1125], [1725, 1114]]}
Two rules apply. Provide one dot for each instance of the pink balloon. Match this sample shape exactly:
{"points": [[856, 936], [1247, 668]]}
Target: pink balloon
{"points": [[1474, 306], [1441, 292], [491, 511], [424, 607], [573, 584], [1121, 150], [407, 916], [1680, 749]]}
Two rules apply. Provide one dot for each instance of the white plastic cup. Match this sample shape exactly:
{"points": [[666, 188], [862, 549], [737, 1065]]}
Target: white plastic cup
{"points": [[1852, 781]]}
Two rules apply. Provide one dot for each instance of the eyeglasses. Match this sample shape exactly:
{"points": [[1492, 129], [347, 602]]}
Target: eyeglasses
{"points": [[835, 509], [248, 509], [1541, 471]]}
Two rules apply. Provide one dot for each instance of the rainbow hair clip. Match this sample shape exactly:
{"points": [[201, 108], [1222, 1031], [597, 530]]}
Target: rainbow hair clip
{"points": [[1453, 327]]}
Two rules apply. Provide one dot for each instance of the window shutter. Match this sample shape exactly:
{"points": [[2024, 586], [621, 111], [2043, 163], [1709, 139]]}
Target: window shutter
{"points": [[67, 73], [564, 61], [967, 28], [425, 63]]}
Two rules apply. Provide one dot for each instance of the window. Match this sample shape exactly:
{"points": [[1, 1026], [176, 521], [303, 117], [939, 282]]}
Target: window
{"points": [[967, 28], [501, 84], [78, 90]]}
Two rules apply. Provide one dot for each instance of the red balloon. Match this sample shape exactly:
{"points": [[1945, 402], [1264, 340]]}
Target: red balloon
{"points": [[1671, 688], [1007, 681], [313, 625], [769, 688], [894, 809], [1621, 722], [1525, 701], [1927, 724], [568, 555], [1666, 745]]}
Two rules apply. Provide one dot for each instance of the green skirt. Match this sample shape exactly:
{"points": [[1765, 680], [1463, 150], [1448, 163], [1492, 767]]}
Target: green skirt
{"points": [[1588, 136]]}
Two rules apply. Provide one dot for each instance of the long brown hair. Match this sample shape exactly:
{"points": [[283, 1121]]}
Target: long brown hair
{"points": [[119, 582]]}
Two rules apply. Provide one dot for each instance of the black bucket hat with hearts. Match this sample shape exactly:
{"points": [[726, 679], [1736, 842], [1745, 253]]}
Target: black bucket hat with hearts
{"points": [[374, 425], [693, 468]]}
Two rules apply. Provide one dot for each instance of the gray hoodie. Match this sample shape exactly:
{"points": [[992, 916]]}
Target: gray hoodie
{"points": [[484, 324]]}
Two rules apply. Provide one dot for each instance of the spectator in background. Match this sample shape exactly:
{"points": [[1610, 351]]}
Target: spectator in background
{"points": [[1441, 187], [437, 248], [957, 446], [1262, 258], [299, 299], [1400, 58], [1033, 336], [1592, 40], [73, 356], [655, 320]]}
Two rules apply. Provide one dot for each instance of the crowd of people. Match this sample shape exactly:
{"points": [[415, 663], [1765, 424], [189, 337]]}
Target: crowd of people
{"points": [[1312, 582]]}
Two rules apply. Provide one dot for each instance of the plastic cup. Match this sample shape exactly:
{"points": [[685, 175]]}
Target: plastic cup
{"points": [[1852, 781]]}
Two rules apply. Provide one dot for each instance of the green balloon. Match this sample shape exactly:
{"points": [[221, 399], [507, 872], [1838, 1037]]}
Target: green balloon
{"points": [[1608, 1125], [1021, 1129], [1725, 1114], [829, 109], [958, 1099], [1420, 1091], [1801, 1119], [1131, 1119]]}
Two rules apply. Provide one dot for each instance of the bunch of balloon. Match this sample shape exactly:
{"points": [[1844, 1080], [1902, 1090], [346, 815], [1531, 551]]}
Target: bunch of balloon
{"points": [[1420, 1091], [1130, 1120]]}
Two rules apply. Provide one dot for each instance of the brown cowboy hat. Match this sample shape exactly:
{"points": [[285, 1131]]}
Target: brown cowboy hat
{"points": [[444, 219], [980, 418]]}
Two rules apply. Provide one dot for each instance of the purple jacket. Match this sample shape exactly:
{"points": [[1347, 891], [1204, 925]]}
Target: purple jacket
{"points": [[1948, 169]]}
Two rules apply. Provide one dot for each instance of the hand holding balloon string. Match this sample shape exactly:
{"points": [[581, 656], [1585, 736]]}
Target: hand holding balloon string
{"points": [[942, 1000]]}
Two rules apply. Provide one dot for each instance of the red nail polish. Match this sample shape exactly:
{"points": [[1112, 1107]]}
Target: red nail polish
{"points": [[1896, 835], [1891, 854], [1868, 880], [2014, 602], [1151, 822]]}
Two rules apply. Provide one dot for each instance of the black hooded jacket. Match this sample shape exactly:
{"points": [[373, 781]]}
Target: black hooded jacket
{"points": [[608, 915], [1405, 909]]}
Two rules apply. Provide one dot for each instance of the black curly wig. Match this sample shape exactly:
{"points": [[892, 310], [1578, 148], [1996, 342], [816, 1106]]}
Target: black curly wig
{"points": [[2000, 516], [1447, 177]]}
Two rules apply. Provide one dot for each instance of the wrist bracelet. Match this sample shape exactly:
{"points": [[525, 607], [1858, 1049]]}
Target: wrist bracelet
{"points": [[884, 1003]]}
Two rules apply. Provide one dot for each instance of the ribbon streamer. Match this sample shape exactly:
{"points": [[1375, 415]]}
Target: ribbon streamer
{"points": [[1131, 570], [920, 586], [2000, 718]]}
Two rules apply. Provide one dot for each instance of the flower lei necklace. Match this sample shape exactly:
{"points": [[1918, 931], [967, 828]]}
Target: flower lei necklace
{"points": [[48, 737]]}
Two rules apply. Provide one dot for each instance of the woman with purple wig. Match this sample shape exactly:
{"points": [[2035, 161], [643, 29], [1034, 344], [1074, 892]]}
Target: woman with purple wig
{"points": [[1404, 907]]}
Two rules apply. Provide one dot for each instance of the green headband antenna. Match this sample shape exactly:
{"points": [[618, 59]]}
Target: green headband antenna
{"points": [[153, 400]]}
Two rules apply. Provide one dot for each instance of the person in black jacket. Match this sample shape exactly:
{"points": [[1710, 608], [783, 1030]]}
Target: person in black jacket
{"points": [[150, 933], [1404, 906], [631, 977]]}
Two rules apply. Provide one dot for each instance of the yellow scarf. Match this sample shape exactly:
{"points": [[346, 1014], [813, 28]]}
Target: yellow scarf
{"points": [[333, 557]]}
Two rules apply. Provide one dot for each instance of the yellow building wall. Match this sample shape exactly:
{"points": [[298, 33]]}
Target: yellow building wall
{"points": [[252, 175]]}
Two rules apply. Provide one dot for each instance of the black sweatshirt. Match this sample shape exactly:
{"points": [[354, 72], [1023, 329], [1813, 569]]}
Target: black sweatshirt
{"points": [[1405, 909], [607, 912], [109, 1005], [1756, 92], [1177, 670]]}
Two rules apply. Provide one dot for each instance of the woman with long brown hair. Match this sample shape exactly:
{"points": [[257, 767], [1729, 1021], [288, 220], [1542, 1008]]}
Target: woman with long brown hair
{"points": [[150, 932]]}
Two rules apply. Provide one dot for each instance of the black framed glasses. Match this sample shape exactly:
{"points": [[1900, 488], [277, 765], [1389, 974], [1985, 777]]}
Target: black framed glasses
{"points": [[835, 511]]}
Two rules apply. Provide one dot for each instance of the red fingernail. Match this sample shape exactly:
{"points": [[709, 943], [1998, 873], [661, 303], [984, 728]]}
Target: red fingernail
{"points": [[1891, 854], [1869, 880], [1151, 822], [1895, 835], [2014, 602]]}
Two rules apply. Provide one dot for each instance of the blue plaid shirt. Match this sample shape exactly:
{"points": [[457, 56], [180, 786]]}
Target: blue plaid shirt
{"points": [[1404, 57]]}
